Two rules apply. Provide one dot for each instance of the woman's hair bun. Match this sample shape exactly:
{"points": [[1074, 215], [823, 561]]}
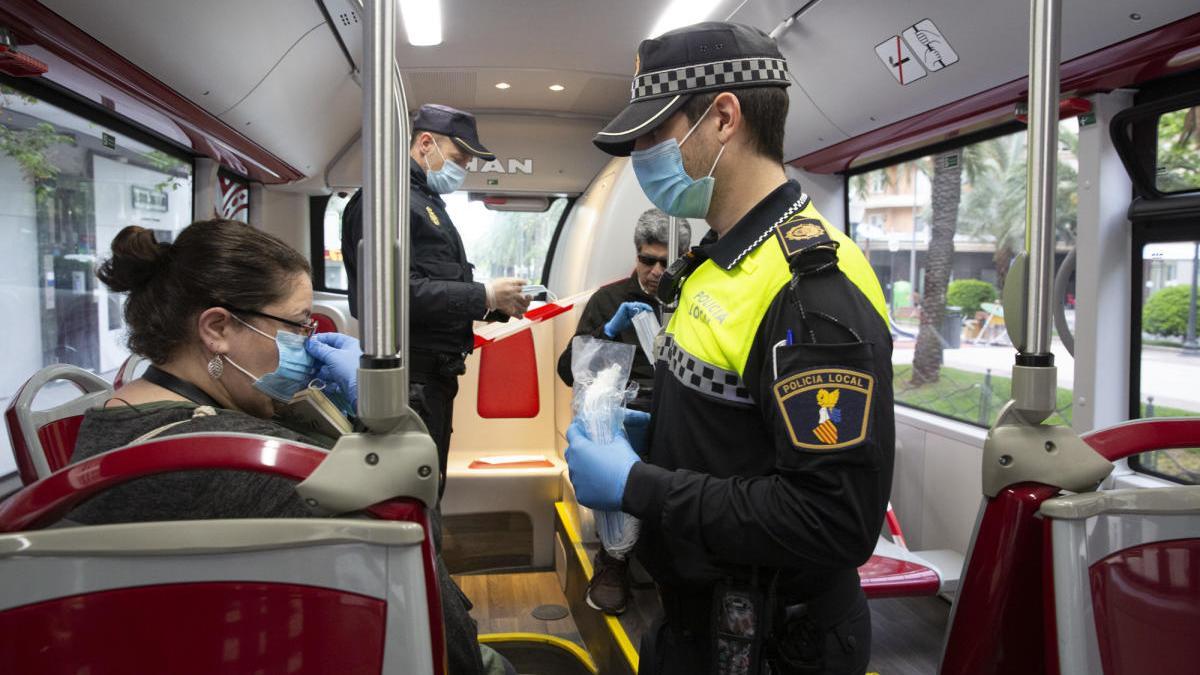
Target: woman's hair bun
{"points": [[136, 258]]}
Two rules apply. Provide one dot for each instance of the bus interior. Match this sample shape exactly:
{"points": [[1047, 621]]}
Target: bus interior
{"points": [[161, 113]]}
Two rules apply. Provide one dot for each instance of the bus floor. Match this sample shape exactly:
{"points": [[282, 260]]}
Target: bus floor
{"points": [[906, 636], [504, 603]]}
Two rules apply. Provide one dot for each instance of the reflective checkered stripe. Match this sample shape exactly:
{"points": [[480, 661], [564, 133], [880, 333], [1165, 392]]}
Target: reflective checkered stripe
{"points": [[709, 75], [705, 378]]}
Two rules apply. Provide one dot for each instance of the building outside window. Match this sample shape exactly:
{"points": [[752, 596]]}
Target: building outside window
{"points": [[68, 185]]}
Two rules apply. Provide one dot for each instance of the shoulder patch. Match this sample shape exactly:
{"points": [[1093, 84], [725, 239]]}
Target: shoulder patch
{"points": [[798, 234], [433, 216], [826, 408]]}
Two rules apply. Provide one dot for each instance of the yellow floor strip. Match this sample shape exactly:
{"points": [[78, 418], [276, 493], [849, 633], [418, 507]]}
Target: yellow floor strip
{"points": [[614, 624], [552, 640]]}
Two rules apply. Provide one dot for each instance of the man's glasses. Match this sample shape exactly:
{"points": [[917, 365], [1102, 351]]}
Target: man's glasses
{"points": [[307, 328], [651, 261]]}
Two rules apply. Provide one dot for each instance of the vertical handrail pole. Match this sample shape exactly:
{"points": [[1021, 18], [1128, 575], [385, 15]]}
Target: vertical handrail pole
{"points": [[383, 387], [403, 141], [1045, 32], [672, 239]]}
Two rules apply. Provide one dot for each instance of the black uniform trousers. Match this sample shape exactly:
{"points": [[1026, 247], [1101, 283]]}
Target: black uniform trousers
{"points": [[431, 395], [830, 635]]}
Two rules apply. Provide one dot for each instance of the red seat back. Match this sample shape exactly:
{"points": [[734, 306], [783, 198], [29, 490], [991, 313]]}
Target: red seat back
{"points": [[235, 618], [198, 628], [508, 378], [43, 440]]}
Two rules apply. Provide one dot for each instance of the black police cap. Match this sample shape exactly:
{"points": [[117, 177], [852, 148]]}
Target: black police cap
{"points": [[710, 56], [457, 124]]}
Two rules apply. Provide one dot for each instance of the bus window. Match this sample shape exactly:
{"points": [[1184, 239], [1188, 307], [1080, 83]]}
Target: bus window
{"points": [[1170, 353], [1178, 157], [334, 275], [505, 243], [67, 186], [940, 232]]}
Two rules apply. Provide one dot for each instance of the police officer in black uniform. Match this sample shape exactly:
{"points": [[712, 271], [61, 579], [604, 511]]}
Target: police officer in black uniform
{"points": [[763, 472], [444, 298]]}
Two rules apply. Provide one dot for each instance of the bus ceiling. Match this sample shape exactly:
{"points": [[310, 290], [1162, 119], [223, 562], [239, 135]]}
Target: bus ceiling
{"points": [[286, 102]]}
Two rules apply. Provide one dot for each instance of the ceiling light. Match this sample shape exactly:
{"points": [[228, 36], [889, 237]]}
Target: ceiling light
{"points": [[556, 87], [503, 85], [422, 21], [682, 13]]}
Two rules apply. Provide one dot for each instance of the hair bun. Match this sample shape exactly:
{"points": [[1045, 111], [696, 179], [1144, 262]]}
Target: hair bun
{"points": [[136, 258]]}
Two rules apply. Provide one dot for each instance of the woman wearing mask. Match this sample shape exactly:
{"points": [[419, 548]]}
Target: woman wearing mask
{"points": [[224, 314]]}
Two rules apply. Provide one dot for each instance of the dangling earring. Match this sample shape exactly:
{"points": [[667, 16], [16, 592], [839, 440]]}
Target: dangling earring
{"points": [[216, 367]]}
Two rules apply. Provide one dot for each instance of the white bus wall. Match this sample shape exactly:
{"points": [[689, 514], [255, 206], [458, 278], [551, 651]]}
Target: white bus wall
{"points": [[285, 215], [827, 191]]}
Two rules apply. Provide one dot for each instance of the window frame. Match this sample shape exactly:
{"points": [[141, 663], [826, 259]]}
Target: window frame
{"points": [[316, 220], [316, 244], [94, 112], [957, 143], [1154, 216], [64, 99]]}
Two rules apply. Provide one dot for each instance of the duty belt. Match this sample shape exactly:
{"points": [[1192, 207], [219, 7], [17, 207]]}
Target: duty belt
{"points": [[443, 364]]}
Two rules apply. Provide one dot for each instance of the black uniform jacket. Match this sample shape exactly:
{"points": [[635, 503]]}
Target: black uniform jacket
{"points": [[600, 308], [788, 467], [444, 297]]}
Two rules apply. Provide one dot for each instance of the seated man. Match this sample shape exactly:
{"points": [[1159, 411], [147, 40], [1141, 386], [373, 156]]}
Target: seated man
{"points": [[608, 316], [224, 314]]}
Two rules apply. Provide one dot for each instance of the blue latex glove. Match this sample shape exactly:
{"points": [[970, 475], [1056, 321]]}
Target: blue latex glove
{"points": [[637, 429], [623, 318], [338, 356], [598, 471]]}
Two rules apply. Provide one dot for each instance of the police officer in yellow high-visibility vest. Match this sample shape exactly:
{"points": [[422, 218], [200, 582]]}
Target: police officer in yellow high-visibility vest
{"points": [[762, 474]]}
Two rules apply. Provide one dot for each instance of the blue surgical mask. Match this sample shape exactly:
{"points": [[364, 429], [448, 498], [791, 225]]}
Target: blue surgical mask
{"points": [[660, 172], [296, 367], [446, 179]]}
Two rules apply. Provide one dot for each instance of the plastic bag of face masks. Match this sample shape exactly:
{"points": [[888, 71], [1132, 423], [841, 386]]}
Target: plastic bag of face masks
{"points": [[601, 371]]}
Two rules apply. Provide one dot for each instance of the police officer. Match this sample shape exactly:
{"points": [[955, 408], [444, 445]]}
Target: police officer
{"points": [[762, 473], [444, 299]]}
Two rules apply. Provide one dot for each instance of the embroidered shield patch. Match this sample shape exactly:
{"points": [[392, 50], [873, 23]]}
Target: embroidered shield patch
{"points": [[799, 234], [826, 408]]}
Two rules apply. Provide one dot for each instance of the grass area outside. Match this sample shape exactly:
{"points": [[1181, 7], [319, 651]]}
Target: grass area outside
{"points": [[962, 395]]}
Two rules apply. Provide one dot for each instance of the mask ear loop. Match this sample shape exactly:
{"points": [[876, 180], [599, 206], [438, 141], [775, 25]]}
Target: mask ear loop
{"points": [[697, 124], [247, 325], [714, 166], [439, 152]]}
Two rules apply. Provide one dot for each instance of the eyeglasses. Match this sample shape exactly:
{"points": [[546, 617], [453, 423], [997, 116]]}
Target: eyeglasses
{"points": [[651, 261], [306, 328]]}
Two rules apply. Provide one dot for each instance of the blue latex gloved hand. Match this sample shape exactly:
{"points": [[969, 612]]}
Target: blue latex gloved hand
{"points": [[637, 430], [598, 471], [623, 318], [337, 356]]}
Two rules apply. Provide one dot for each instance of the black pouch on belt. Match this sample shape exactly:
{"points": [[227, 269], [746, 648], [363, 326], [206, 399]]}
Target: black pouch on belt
{"points": [[740, 625]]}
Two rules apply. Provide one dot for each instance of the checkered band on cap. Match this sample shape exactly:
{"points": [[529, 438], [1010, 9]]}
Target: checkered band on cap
{"points": [[704, 377], [709, 76]]}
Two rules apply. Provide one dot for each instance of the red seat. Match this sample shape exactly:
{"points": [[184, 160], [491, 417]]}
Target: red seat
{"points": [[129, 370], [1013, 614], [43, 440], [889, 577], [269, 595]]}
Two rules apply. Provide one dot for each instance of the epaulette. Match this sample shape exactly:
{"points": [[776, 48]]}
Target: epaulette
{"points": [[807, 244]]}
